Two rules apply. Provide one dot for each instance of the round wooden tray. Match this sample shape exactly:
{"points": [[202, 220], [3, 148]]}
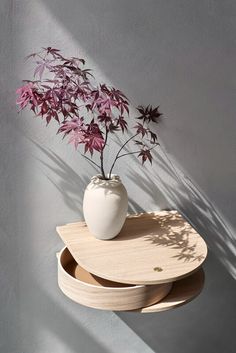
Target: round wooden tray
{"points": [[87, 289], [93, 291], [151, 248]]}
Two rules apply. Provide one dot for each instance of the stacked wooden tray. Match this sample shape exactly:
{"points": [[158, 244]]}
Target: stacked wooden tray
{"points": [[154, 264]]}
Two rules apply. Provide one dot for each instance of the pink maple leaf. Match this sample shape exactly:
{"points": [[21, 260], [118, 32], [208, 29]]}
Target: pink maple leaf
{"points": [[94, 142], [42, 65], [74, 124], [77, 137], [25, 95], [94, 139]]}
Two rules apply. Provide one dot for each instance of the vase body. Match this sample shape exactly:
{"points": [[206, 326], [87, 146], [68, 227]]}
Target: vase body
{"points": [[105, 206]]}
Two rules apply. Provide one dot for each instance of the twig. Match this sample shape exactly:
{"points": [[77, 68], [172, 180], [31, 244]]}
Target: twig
{"points": [[102, 155], [149, 149], [90, 160], [117, 155]]}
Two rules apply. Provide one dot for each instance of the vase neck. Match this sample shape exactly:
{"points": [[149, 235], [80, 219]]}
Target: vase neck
{"points": [[98, 180]]}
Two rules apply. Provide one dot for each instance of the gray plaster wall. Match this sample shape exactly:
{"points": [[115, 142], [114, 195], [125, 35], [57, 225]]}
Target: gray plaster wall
{"points": [[180, 54]]}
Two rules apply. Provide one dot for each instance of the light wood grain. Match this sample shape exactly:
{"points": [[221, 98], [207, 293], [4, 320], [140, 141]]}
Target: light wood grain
{"points": [[87, 289], [152, 248], [182, 292]]}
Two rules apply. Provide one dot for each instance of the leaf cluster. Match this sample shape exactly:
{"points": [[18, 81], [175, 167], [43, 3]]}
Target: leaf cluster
{"points": [[63, 89]]}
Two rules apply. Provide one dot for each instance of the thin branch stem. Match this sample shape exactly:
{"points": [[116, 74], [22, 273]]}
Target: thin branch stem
{"points": [[102, 155], [117, 155], [90, 160], [126, 154]]}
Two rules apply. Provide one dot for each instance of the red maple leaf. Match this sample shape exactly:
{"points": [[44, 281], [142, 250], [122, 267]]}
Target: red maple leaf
{"points": [[146, 155], [77, 137], [94, 139], [68, 126], [122, 123], [141, 129]]}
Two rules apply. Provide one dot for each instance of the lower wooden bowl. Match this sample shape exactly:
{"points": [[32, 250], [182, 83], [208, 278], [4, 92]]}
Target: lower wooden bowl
{"points": [[93, 291]]}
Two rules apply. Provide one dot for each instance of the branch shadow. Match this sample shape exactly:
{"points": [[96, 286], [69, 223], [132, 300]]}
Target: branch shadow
{"points": [[176, 187], [45, 311], [205, 322], [215, 304], [92, 27], [175, 190], [163, 230], [193, 205], [64, 178]]}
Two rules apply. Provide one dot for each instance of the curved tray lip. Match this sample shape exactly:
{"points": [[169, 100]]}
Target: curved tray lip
{"points": [[153, 308], [147, 283], [76, 280]]}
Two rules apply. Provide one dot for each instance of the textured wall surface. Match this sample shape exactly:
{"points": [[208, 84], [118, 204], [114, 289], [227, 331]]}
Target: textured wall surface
{"points": [[180, 54]]}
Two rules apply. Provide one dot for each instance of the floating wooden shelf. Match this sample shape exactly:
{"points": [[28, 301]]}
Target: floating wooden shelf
{"points": [[152, 265], [90, 290]]}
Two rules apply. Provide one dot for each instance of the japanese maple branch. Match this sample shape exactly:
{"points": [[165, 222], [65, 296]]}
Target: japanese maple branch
{"points": [[118, 153], [102, 155], [149, 149], [90, 160]]}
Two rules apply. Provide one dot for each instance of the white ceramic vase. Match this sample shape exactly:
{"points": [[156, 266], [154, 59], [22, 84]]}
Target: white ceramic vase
{"points": [[105, 206]]}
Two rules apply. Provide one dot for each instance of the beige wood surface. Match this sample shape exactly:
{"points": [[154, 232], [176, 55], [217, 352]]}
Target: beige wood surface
{"points": [[182, 292], [95, 292], [151, 248]]}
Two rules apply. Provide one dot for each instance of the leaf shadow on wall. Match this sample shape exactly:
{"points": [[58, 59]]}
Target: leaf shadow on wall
{"points": [[191, 202], [64, 178], [112, 33], [177, 189], [205, 219], [83, 20]]}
